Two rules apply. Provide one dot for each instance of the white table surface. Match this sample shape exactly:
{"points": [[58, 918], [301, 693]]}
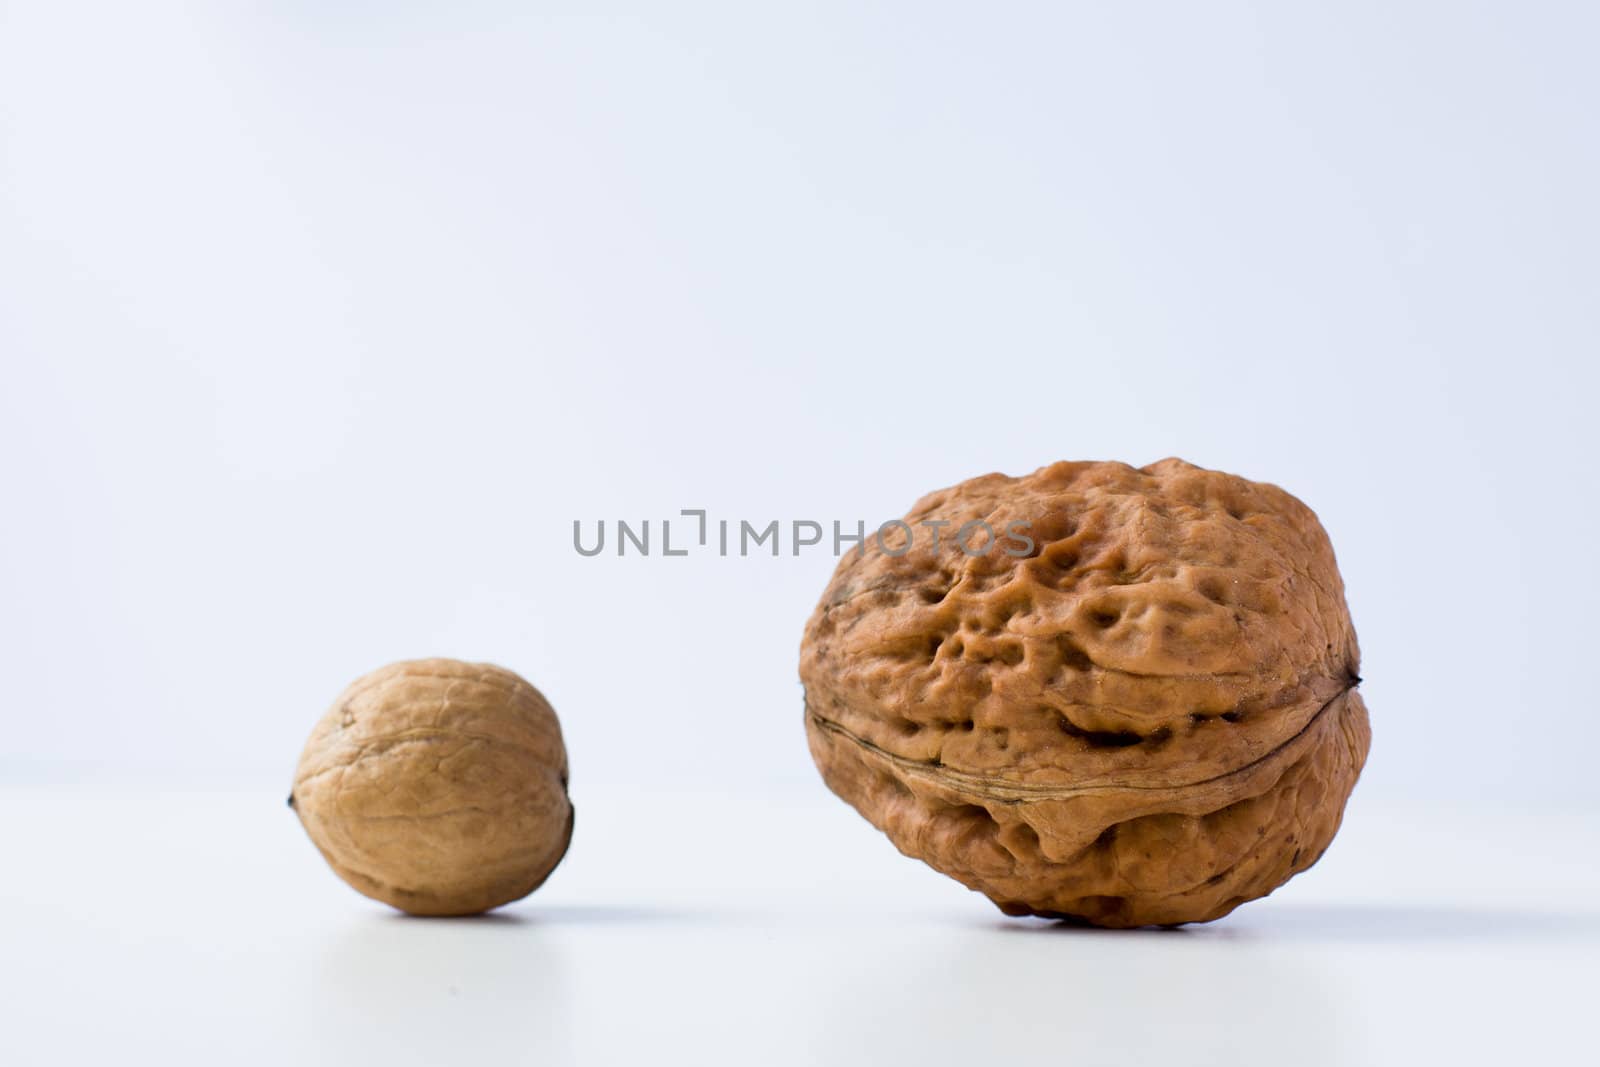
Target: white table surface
{"points": [[199, 926]]}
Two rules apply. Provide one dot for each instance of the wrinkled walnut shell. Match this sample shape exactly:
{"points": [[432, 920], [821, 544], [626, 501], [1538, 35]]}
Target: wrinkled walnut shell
{"points": [[1148, 717], [437, 786]]}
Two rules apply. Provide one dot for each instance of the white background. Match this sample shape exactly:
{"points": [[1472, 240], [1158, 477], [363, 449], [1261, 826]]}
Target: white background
{"points": [[320, 325]]}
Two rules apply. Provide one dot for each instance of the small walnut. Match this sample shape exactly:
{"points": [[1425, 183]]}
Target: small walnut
{"points": [[1147, 716], [437, 786]]}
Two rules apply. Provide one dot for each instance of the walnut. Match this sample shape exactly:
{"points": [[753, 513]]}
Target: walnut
{"points": [[437, 786], [1147, 715]]}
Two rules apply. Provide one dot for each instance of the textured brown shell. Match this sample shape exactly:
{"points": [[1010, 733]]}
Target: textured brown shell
{"points": [[1149, 716], [437, 786]]}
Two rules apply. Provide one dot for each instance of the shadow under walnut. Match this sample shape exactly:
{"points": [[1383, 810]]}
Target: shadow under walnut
{"points": [[1150, 717]]}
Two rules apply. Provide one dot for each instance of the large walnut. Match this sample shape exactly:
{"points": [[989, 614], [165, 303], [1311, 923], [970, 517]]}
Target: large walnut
{"points": [[1148, 715], [437, 786]]}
